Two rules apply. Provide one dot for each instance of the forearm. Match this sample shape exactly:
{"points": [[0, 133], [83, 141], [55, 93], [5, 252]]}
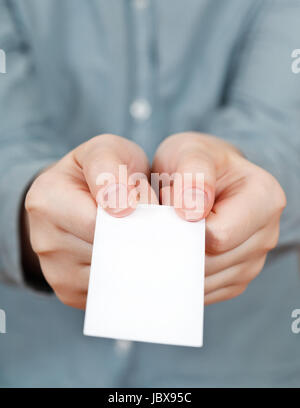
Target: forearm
{"points": [[22, 156]]}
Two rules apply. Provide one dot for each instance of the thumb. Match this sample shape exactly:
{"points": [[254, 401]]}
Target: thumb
{"points": [[193, 169], [194, 194], [108, 162]]}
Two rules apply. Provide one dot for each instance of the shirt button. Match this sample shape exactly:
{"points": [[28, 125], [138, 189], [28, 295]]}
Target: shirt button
{"points": [[123, 346], [141, 4], [140, 109]]}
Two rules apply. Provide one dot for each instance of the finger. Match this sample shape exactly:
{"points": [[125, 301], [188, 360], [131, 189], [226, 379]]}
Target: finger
{"points": [[237, 214], [52, 241], [197, 200], [107, 163], [195, 171], [235, 275], [257, 245], [64, 275], [189, 203], [66, 203], [223, 294], [74, 300]]}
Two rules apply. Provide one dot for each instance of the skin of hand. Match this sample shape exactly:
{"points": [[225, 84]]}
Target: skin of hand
{"points": [[61, 207], [242, 206]]}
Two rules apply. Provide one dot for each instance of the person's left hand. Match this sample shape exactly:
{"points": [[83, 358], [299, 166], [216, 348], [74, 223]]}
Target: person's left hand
{"points": [[242, 204]]}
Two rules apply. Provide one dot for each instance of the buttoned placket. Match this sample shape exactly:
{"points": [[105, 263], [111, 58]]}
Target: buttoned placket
{"points": [[140, 107]]}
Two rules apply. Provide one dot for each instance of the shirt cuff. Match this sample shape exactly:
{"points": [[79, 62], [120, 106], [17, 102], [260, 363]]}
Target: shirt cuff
{"points": [[13, 188]]}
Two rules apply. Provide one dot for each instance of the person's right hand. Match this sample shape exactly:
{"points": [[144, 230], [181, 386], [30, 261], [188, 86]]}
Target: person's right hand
{"points": [[61, 210]]}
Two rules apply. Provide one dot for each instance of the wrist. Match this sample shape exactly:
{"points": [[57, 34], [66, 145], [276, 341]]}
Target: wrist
{"points": [[32, 273]]}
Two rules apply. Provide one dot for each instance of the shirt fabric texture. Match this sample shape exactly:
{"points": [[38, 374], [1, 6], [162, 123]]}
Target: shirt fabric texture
{"points": [[145, 70]]}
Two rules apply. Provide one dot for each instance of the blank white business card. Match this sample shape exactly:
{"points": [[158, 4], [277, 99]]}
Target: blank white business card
{"points": [[147, 278]]}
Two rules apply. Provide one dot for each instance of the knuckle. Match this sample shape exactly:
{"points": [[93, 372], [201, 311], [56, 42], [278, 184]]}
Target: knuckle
{"points": [[41, 242], [54, 279], [239, 290], [271, 243], [282, 200], [66, 288], [58, 283], [31, 199], [252, 273], [55, 282], [278, 194], [65, 299], [270, 185], [36, 245], [218, 240], [41, 248], [71, 299], [35, 200]]}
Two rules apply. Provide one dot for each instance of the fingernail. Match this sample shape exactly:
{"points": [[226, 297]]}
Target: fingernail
{"points": [[194, 204], [193, 199], [192, 215]]}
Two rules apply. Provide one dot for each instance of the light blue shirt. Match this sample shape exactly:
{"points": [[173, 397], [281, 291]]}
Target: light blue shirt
{"points": [[146, 69]]}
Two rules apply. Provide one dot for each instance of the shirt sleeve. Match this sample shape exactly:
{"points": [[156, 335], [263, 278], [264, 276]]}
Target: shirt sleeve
{"points": [[27, 140], [261, 110]]}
